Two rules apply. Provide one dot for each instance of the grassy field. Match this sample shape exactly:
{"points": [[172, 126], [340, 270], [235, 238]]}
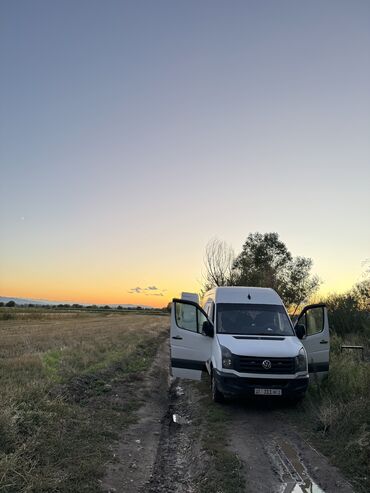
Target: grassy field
{"points": [[59, 408]]}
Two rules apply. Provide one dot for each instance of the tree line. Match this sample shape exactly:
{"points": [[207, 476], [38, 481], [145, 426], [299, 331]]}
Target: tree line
{"points": [[13, 304]]}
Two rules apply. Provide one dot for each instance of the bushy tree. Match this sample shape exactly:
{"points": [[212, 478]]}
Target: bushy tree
{"points": [[168, 307], [345, 315], [361, 292], [262, 260], [265, 261], [10, 304]]}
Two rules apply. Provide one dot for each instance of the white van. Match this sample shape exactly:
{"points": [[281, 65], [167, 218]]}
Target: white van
{"points": [[244, 338]]}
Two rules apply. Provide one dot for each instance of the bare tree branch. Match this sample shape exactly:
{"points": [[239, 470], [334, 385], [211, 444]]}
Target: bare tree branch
{"points": [[218, 261]]}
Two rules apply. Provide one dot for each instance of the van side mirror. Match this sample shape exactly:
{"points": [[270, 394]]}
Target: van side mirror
{"points": [[300, 331], [207, 329]]}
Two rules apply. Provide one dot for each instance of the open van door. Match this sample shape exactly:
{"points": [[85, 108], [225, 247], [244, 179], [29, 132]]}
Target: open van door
{"points": [[316, 339], [191, 339]]}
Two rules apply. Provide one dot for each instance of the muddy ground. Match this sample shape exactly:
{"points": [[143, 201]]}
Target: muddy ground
{"points": [[163, 451]]}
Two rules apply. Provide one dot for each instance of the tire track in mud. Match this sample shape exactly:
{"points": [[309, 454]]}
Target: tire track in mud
{"points": [[178, 456], [135, 451], [276, 458], [157, 454]]}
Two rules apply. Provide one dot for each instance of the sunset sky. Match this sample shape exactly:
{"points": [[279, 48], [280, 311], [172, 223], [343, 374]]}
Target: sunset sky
{"points": [[132, 132]]}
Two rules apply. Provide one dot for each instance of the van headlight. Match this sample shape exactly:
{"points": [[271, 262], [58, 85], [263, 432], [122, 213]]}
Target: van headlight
{"points": [[301, 361], [227, 357]]}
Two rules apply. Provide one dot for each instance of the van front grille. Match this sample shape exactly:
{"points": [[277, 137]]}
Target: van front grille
{"points": [[252, 364]]}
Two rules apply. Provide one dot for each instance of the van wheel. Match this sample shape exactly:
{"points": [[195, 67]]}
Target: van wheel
{"points": [[217, 396]]}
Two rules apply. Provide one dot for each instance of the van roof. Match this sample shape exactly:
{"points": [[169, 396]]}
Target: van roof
{"points": [[243, 294]]}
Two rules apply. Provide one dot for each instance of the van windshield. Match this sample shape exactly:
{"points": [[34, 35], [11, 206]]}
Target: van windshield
{"points": [[240, 318]]}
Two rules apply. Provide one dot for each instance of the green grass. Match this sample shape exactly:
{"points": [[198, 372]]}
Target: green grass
{"points": [[337, 413], [19, 313], [68, 388], [52, 313], [224, 473], [51, 361]]}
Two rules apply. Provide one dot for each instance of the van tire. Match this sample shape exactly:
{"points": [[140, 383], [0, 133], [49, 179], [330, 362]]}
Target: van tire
{"points": [[217, 395]]}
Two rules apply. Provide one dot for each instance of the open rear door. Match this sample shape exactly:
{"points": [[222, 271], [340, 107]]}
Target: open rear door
{"points": [[190, 347], [317, 338]]}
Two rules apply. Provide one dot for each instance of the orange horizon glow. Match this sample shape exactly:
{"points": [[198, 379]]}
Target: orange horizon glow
{"points": [[154, 301], [112, 298], [158, 278]]}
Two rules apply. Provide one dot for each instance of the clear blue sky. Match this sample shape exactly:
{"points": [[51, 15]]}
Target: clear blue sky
{"points": [[132, 132]]}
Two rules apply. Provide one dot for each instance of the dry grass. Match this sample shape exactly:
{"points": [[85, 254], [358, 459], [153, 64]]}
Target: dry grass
{"points": [[58, 380], [338, 412]]}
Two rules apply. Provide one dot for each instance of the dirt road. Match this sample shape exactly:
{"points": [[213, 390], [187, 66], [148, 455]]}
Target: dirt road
{"points": [[163, 451]]}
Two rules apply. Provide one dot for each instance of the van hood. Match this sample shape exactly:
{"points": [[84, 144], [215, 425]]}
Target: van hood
{"points": [[279, 347]]}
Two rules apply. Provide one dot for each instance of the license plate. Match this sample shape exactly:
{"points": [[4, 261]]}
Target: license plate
{"points": [[267, 391]]}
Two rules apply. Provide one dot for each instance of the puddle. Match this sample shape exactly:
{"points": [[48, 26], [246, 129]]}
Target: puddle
{"points": [[295, 476], [176, 418], [179, 391], [300, 488], [186, 373]]}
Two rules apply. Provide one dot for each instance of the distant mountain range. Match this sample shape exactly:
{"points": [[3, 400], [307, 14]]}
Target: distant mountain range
{"points": [[26, 301]]}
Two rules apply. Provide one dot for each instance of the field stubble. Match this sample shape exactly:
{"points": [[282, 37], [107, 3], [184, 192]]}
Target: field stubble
{"points": [[59, 410]]}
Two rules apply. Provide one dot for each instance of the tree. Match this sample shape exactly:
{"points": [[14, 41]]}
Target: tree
{"points": [[218, 261], [119, 307], [349, 312], [10, 304], [361, 293], [265, 261]]}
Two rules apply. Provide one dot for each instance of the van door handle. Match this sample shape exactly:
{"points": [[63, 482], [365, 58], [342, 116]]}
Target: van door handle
{"points": [[177, 337], [323, 341]]}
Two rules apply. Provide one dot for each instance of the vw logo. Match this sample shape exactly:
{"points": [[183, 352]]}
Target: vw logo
{"points": [[266, 364]]}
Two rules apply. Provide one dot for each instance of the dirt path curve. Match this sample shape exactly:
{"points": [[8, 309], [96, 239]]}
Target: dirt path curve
{"points": [[276, 458]]}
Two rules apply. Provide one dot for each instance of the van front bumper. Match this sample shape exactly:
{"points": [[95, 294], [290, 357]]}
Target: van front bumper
{"points": [[230, 384]]}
